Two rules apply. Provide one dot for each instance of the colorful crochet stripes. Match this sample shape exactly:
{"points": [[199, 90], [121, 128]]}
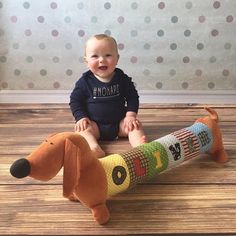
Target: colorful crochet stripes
{"points": [[126, 169]]}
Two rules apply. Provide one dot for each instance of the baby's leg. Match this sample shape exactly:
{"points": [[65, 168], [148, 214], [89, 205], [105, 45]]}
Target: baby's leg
{"points": [[91, 134], [136, 136]]}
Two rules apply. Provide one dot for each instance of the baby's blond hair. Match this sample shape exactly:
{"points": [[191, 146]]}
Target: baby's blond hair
{"points": [[101, 37]]}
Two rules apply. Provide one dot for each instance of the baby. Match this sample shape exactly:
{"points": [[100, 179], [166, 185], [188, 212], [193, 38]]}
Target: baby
{"points": [[104, 101]]}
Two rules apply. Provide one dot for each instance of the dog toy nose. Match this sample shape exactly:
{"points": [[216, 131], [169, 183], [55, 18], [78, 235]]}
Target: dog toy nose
{"points": [[20, 168]]}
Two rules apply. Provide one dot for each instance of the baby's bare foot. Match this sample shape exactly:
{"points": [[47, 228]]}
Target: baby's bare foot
{"points": [[139, 141], [143, 139]]}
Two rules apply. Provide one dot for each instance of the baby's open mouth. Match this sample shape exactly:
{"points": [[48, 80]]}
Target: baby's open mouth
{"points": [[102, 67]]}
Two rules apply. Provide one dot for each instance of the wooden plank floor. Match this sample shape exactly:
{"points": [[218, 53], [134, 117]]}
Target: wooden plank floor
{"points": [[196, 198]]}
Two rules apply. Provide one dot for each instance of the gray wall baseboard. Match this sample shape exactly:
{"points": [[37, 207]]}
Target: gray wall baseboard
{"points": [[149, 96]]}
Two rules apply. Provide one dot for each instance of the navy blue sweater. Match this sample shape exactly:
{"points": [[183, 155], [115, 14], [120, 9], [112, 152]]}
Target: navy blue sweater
{"points": [[104, 102]]}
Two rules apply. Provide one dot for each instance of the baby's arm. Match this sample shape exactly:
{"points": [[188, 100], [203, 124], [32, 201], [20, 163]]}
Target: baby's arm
{"points": [[78, 101], [131, 95]]}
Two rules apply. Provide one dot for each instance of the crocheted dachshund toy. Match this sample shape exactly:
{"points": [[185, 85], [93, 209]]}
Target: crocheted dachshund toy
{"points": [[92, 181]]}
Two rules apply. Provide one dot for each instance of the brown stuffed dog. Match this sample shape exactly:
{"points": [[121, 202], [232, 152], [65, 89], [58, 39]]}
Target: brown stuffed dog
{"points": [[92, 181]]}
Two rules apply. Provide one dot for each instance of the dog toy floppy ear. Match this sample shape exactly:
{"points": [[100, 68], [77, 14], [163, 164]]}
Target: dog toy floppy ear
{"points": [[84, 178]]}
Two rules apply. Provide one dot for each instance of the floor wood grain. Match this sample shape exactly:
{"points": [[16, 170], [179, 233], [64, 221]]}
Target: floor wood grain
{"points": [[198, 197]]}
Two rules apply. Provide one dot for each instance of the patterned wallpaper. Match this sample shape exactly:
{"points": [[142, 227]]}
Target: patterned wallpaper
{"points": [[164, 45]]}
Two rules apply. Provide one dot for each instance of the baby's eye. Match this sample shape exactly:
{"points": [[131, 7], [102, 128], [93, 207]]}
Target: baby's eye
{"points": [[94, 56], [108, 55]]}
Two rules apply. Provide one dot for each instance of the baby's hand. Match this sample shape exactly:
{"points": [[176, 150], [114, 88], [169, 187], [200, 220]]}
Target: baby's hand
{"points": [[131, 123], [82, 124]]}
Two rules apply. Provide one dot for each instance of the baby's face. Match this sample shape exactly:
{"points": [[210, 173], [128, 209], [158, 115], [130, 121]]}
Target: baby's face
{"points": [[101, 56]]}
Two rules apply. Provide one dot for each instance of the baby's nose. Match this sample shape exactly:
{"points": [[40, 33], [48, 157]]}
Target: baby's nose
{"points": [[101, 59]]}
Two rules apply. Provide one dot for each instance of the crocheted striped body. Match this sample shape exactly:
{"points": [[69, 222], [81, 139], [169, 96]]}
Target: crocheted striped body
{"points": [[125, 170]]}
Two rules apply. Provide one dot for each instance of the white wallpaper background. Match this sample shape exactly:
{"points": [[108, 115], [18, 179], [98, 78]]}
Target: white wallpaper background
{"points": [[163, 45]]}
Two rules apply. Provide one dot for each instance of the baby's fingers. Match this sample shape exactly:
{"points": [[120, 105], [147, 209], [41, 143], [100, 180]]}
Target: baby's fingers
{"points": [[84, 125], [136, 124], [130, 126], [77, 128]]}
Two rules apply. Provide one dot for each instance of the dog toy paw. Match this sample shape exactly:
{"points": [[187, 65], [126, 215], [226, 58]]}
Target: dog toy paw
{"points": [[101, 214]]}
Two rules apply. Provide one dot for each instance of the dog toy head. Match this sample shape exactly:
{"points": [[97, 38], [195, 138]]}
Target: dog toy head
{"points": [[36, 165], [84, 178]]}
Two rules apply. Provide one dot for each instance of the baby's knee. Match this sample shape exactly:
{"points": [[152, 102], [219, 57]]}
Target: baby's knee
{"points": [[123, 132], [93, 129]]}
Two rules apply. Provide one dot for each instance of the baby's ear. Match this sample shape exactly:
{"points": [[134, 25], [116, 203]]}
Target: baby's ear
{"points": [[85, 60], [118, 57]]}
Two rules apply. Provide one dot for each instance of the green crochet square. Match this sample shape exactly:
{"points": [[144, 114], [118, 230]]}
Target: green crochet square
{"points": [[157, 155]]}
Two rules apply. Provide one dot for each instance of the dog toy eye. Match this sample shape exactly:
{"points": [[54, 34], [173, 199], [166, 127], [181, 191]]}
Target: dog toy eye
{"points": [[47, 142]]}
